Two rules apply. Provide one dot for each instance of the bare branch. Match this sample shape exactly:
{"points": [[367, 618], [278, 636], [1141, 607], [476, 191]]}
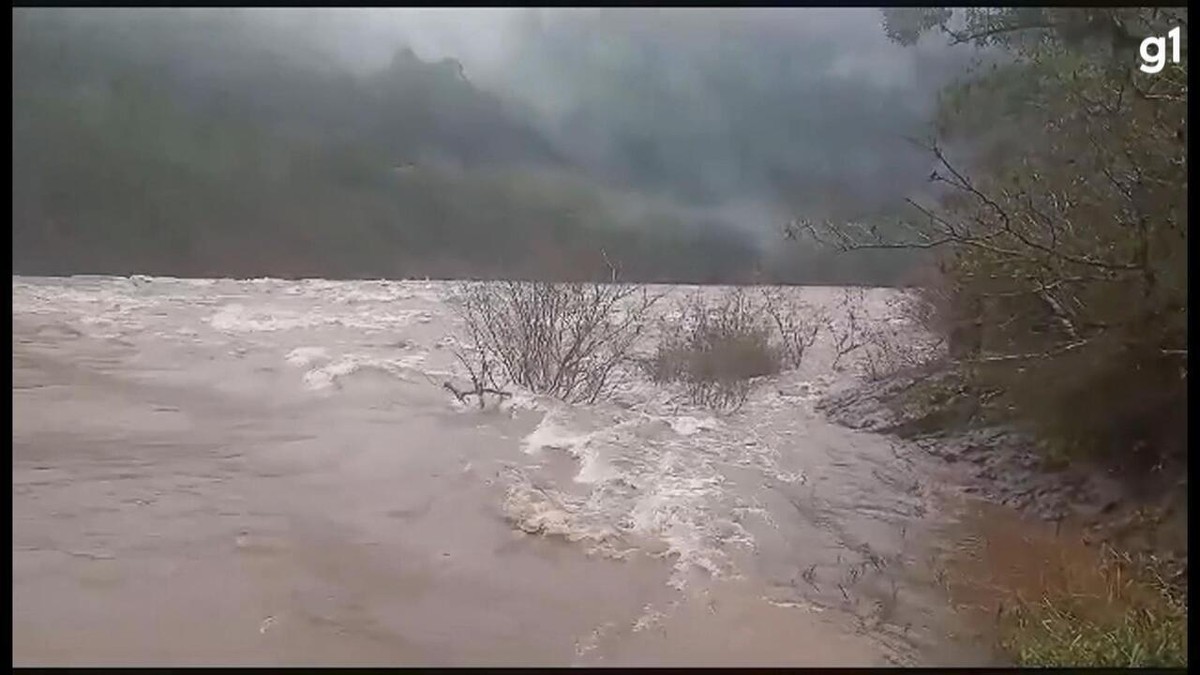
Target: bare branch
{"points": [[1026, 357], [958, 37]]}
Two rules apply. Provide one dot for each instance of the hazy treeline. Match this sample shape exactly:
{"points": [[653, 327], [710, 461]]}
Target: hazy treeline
{"points": [[211, 142]]}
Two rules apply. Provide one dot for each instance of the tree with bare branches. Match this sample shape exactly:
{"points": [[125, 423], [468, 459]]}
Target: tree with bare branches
{"points": [[566, 340], [1060, 232]]}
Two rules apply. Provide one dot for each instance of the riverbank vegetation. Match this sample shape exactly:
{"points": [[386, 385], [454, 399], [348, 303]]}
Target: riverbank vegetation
{"points": [[1060, 281], [1050, 599], [1060, 238]]}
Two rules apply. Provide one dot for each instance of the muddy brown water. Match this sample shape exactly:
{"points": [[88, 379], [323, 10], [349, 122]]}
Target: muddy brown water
{"points": [[270, 472]]}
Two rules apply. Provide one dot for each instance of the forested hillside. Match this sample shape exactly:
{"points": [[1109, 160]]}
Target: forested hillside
{"points": [[194, 142]]}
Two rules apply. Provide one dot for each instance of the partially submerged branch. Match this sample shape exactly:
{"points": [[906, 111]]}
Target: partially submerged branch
{"points": [[482, 380]]}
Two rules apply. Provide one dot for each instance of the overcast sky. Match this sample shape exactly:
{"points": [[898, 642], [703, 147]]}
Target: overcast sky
{"points": [[483, 38]]}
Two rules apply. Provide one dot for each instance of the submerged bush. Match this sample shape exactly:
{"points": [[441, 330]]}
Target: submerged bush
{"points": [[560, 339], [718, 350]]}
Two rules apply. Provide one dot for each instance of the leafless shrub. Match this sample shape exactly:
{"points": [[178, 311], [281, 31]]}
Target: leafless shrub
{"points": [[899, 341], [561, 339], [797, 325], [483, 382], [849, 334], [717, 351], [928, 299]]}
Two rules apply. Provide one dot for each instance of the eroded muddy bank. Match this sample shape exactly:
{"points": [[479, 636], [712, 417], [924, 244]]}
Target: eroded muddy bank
{"points": [[930, 409]]}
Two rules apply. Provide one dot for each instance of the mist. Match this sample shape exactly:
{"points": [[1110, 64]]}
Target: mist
{"points": [[841, 101], [738, 120]]}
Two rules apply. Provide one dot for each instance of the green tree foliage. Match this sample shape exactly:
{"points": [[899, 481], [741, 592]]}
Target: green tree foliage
{"points": [[1063, 223]]}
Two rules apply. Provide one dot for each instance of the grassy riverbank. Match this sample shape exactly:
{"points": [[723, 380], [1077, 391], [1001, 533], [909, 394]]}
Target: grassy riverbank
{"points": [[1050, 598]]}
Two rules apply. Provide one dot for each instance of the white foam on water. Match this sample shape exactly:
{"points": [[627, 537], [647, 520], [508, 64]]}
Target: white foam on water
{"points": [[793, 477], [237, 318], [650, 618], [551, 433], [593, 468], [329, 376], [537, 509], [306, 356], [651, 489], [805, 606], [685, 425], [378, 320]]}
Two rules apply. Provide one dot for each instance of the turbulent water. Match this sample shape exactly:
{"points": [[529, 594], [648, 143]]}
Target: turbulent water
{"points": [[271, 472]]}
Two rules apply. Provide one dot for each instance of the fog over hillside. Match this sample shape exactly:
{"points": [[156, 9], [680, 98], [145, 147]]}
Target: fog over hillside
{"points": [[393, 142]]}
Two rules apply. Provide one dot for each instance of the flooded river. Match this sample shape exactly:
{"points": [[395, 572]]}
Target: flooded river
{"points": [[271, 472]]}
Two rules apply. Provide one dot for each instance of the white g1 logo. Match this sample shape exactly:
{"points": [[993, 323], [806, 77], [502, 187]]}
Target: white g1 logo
{"points": [[1154, 52]]}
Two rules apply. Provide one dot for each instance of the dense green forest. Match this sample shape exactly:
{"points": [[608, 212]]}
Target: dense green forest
{"points": [[197, 142]]}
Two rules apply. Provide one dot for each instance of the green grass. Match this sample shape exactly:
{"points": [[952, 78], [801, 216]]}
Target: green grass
{"points": [[1058, 631], [1056, 601]]}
